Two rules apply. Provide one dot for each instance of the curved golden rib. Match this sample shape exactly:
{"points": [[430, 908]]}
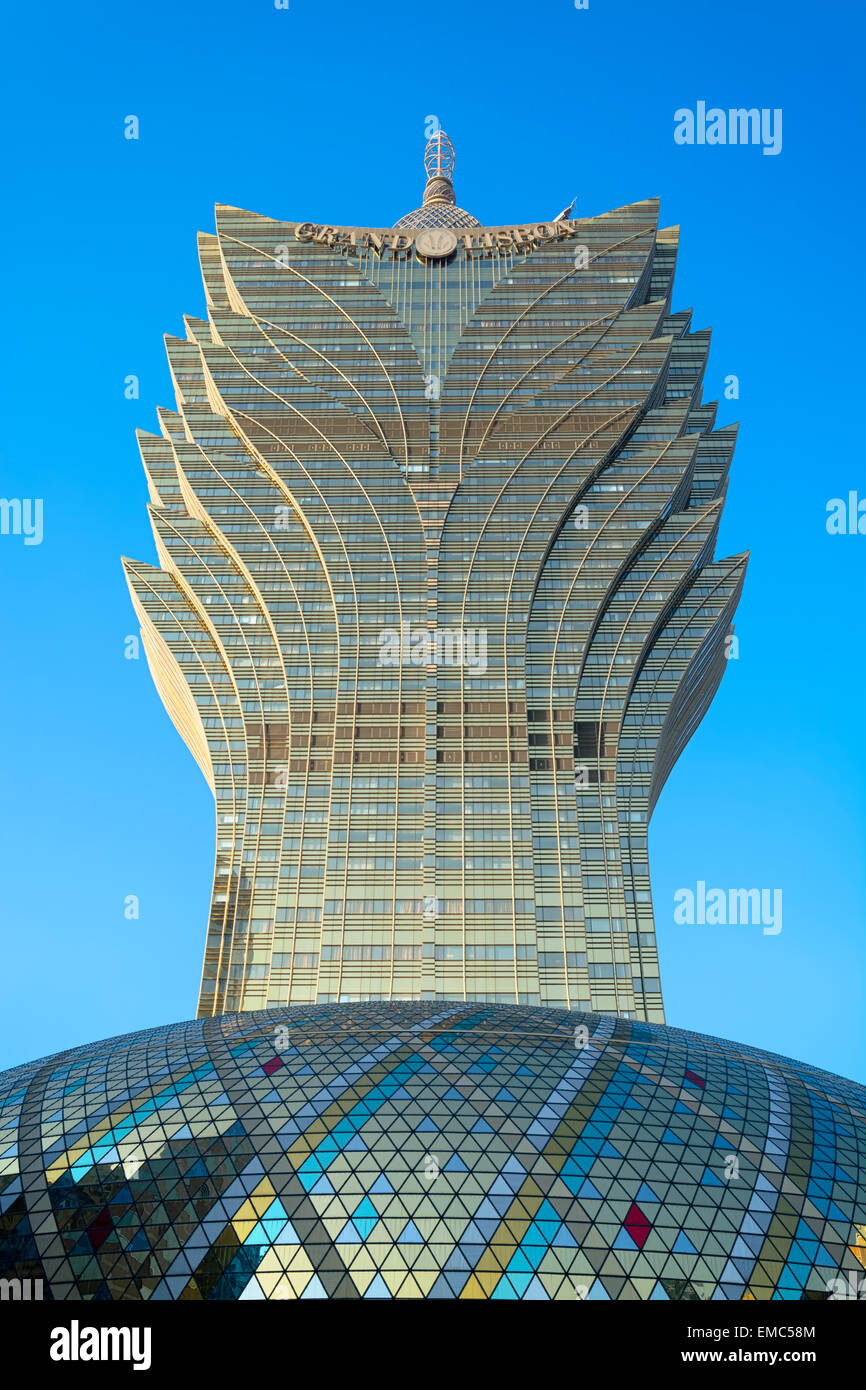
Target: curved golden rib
{"points": [[547, 290], [311, 284]]}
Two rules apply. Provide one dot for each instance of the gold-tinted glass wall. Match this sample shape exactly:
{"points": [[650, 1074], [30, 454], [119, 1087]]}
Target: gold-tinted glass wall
{"points": [[436, 607]]}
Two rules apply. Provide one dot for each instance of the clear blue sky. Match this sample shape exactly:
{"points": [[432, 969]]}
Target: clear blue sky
{"points": [[318, 112]]}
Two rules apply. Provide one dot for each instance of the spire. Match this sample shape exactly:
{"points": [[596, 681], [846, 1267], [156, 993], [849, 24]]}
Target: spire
{"points": [[439, 162], [439, 205]]}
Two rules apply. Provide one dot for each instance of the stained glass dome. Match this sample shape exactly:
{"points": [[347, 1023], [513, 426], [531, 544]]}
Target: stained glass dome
{"points": [[430, 1151]]}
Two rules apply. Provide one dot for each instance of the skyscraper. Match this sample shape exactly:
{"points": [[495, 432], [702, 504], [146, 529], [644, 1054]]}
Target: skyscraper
{"points": [[436, 612], [436, 608]]}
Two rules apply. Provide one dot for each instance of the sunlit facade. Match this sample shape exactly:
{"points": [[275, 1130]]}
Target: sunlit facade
{"points": [[436, 607]]}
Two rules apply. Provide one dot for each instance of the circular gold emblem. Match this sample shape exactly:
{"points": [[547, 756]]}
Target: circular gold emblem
{"points": [[435, 242]]}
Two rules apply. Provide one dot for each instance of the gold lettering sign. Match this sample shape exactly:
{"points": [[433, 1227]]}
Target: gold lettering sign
{"points": [[433, 243]]}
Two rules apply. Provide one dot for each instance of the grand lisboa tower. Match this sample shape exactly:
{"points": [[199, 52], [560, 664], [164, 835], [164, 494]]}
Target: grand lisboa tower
{"points": [[436, 610]]}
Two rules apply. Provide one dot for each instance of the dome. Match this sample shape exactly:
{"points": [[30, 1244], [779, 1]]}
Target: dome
{"points": [[449, 1150], [437, 215]]}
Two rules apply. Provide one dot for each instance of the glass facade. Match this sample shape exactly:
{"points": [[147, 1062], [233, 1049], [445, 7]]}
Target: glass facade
{"points": [[436, 606], [472, 1152]]}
